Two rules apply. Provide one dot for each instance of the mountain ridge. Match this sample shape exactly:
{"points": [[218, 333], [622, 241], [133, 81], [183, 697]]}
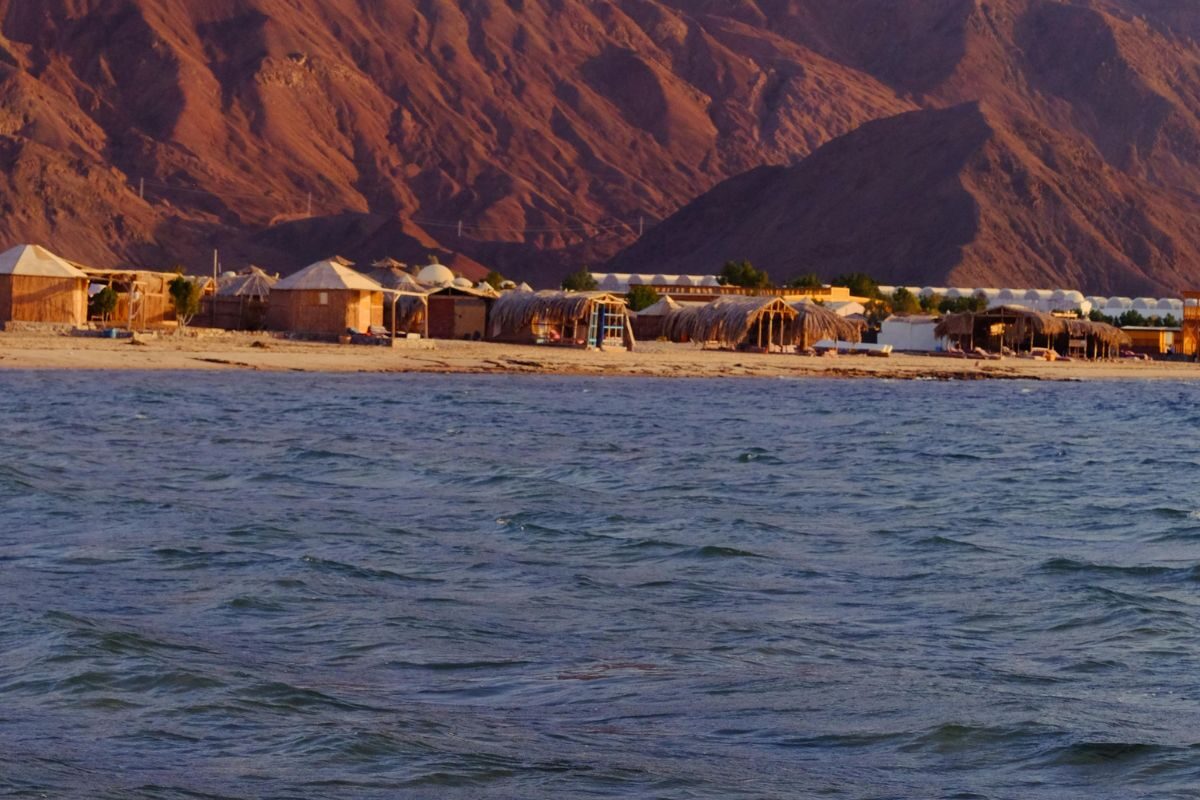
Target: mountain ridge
{"points": [[551, 131]]}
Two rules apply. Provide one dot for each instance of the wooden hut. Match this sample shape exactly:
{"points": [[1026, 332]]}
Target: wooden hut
{"points": [[650, 322], [1005, 327], [326, 299], [143, 296], [37, 286], [240, 301], [459, 311], [580, 319], [761, 323]]}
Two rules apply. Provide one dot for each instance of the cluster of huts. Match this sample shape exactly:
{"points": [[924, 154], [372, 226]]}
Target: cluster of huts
{"points": [[39, 288], [330, 299]]}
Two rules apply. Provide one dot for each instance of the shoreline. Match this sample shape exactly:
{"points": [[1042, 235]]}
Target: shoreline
{"points": [[204, 350]]}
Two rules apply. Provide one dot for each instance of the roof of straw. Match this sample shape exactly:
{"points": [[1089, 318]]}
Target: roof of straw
{"points": [[815, 322], [727, 320], [329, 275], [37, 261], [395, 277], [250, 282], [1029, 321], [517, 309]]}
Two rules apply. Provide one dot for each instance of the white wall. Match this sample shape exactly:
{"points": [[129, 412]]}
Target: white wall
{"points": [[903, 333]]}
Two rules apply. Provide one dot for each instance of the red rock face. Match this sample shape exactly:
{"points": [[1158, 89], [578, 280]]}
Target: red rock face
{"points": [[549, 128]]}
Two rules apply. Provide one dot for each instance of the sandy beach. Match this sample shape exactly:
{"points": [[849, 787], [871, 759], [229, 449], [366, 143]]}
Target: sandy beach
{"points": [[203, 350]]}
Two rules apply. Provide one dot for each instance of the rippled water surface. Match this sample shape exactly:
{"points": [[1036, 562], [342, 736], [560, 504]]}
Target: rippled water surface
{"points": [[237, 585]]}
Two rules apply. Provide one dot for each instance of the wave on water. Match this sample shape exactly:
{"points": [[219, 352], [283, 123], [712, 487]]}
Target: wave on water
{"points": [[303, 587]]}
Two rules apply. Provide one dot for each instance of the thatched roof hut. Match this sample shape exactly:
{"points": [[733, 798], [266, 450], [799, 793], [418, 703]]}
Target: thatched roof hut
{"points": [[326, 299], [815, 322], [733, 321], [38, 286], [592, 319], [240, 302], [252, 282], [1018, 327]]}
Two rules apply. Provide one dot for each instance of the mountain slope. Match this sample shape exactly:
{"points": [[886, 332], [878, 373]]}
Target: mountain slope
{"points": [[550, 129], [535, 123], [958, 196]]}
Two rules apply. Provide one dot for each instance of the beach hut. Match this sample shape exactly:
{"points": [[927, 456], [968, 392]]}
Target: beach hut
{"points": [[648, 323], [1013, 327], [326, 299], [734, 321], [37, 286], [910, 332], [816, 322], [240, 301], [143, 296], [580, 319], [459, 311]]}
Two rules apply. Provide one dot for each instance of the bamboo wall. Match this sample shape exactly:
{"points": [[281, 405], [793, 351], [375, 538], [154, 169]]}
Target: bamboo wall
{"points": [[301, 311], [29, 298], [232, 313]]}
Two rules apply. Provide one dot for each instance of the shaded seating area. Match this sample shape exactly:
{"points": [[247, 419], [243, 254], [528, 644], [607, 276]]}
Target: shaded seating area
{"points": [[572, 319], [815, 323], [1013, 329]]}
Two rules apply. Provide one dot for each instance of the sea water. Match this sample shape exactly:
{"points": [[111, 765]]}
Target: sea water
{"points": [[228, 585]]}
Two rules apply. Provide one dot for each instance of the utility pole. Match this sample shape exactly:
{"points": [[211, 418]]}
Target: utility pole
{"points": [[212, 301], [641, 226], [460, 229]]}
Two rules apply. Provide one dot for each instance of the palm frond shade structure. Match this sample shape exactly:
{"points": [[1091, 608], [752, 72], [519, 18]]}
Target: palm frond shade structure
{"points": [[734, 321], [815, 323], [1023, 328], [580, 318]]}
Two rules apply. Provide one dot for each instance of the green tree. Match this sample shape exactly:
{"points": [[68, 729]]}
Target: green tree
{"points": [[1096, 315], [931, 303], [1131, 319], [1169, 321], [185, 296], [860, 285], [808, 280], [905, 302], [103, 303], [580, 280], [742, 273], [974, 303], [876, 311], [641, 296], [494, 279]]}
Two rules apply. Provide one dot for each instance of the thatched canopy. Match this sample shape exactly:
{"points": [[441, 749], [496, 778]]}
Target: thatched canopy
{"points": [[815, 322], [395, 277], [1102, 332], [727, 320], [516, 310], [961, 324], [251, 282]]}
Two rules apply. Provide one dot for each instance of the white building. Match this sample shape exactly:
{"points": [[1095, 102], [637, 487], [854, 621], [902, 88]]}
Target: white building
{"points": [[911, 332]]}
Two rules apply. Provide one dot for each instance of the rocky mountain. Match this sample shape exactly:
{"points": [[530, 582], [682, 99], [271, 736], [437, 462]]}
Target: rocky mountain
{"points": [[982, 141]]}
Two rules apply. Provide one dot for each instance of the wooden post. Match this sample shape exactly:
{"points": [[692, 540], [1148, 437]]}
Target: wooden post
{"points": [[770, 329]]}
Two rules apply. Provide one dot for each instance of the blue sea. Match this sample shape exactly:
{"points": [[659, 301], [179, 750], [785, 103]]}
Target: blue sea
{"points": [[236, 585]]}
